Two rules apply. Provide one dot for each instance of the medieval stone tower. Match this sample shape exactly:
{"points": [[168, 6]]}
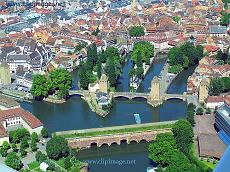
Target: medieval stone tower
{"points": [[203, 90], [5, 76], [154, 95], [103, 83]]}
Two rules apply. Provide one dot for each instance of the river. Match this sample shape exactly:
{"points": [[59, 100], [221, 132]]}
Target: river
{"points": [[76, 114]]}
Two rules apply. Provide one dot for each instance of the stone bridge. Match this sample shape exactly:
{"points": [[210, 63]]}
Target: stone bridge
{"points": [[130, 95], [118, 139]]}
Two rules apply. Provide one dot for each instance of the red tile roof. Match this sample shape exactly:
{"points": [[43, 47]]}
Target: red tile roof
{"points": [[28, 117]]}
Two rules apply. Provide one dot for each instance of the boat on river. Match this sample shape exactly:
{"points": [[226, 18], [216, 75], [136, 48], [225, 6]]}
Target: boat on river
{"points": [[137, 118]]}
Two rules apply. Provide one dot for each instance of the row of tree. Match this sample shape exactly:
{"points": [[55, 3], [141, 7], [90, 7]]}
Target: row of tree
{"points": [[219, 85], [184, 56], [58, 82], [110, 58]]}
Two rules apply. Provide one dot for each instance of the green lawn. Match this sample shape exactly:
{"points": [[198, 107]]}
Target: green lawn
{"points": [[117, 131], [33, 165]]}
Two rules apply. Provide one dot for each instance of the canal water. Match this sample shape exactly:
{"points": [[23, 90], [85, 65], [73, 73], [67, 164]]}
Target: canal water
{"points": [[76, 114]]}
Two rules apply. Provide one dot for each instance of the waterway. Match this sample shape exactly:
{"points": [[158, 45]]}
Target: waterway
{"points": [[76, 114]]}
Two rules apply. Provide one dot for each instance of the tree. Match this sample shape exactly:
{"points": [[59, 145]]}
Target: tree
{"points": [[34, 137], [208, 111], [40, 86], [183, 134], [14, 147], [57, 147], [143, 49], [199, 111], [22, 151], [224, 19], [190, 117], [84, 78], [44, 132], [33, 146], [6, 145], [61, 80], [95, 32], [176, 19], [24, 143], [67, 163], [17, 135], [99, 69], [111, 72], [37, 155], [162, 149], [40, 157], [136, 31], [13, 161], [3, 152]]}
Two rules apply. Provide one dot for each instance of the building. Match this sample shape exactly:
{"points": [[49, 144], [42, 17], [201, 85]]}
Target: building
{"points": [[218, 31], [8, 103], [214, 102], [5, 168], [102, 98], [5, 76], [222, 120], [18, 117]]}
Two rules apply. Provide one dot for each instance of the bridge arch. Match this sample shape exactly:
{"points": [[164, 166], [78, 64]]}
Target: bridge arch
{"points": [[114, 143], [93, 144], [133, 141], [123, 141], [139, 97], [174, 98], [143, 141], [103, 144], [121, 96]]}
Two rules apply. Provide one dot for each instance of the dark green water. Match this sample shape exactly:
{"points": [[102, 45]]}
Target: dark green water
{"points": [[76, 114]]}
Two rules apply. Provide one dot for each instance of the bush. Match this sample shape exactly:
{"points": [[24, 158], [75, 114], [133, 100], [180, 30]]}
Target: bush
{"points": [[67, 163], [57, 147]]}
